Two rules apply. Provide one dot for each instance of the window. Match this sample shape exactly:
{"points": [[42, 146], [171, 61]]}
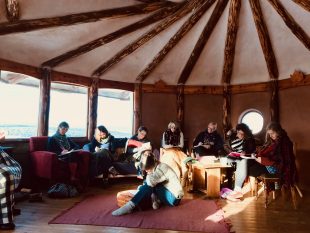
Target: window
{"points": [[68, 103], [115, 111], [19, 96], [254, 119]]}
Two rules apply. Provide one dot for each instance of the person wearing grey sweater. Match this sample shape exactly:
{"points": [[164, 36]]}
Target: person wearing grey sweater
{"points": [[160, 186]]}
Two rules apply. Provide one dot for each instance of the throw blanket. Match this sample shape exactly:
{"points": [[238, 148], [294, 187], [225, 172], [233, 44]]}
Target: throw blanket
{"points": [[10, 176]]}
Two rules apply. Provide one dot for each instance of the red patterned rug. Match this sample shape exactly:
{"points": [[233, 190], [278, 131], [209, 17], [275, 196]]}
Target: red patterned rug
{"points": [[191, 215]]}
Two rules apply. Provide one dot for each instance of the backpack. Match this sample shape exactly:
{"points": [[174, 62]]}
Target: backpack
{"points": [[61, 190]]}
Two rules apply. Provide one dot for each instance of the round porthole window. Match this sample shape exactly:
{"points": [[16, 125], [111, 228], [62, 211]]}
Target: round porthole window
{"points": [[254, 119]]}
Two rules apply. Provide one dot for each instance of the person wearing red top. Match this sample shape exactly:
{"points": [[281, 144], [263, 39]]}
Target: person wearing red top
{"points": [[276, 156]]}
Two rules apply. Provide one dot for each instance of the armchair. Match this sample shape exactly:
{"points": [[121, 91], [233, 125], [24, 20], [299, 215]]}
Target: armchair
{"points": [[45, 164]]}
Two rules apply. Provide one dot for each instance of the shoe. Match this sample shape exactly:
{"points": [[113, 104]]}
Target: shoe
{"points": [[155, 202], [7, 226]]}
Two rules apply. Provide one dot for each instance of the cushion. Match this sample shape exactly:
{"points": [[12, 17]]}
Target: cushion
{"points": [[124, 196]]}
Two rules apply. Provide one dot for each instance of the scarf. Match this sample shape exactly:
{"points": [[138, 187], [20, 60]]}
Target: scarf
{"points": [[62, 140], [172, 138]]}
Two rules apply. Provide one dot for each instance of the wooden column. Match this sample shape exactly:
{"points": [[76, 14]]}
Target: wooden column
{"points": [[137, 106], [92, 108], [226, 109], [12, 10], [180, 105], [274, 100], [44, 105]]}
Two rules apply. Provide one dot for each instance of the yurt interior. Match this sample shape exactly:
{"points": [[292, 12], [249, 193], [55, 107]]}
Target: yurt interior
{"points": [[178, 68]]}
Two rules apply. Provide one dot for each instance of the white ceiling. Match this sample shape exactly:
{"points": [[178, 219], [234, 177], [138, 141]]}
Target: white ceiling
{"points": [[35, 47]]}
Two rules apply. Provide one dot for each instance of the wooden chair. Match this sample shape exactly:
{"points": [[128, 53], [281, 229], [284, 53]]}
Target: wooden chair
{"points": [[270, 182]]}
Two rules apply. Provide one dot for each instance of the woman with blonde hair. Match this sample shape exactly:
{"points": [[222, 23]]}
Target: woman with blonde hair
{"points": [[171, 151]]}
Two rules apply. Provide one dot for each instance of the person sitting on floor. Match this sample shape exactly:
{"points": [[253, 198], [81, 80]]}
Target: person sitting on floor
{"points": [[60, 144], [171, 151], [276, 157], [10, 176], [103, 147], [208, 142], [161, 186], [244, 144]]}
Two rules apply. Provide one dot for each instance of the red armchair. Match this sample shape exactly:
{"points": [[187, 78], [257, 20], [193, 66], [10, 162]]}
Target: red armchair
{"points": [[45, 164]]}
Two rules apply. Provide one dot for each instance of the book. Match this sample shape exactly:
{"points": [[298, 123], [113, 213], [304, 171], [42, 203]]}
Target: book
{"points": [[70, 151]]}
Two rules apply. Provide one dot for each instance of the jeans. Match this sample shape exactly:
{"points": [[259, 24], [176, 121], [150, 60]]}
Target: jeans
{"points": [[241, 171], [163, 194]]}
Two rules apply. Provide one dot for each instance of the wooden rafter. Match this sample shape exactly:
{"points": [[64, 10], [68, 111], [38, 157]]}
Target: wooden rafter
{"points": [[291, 23], [231, 38], [204, 37], [110, 37], [36, 24], [12, 10], [303, 3], [264, 39], [185, 7], [175, 39]]}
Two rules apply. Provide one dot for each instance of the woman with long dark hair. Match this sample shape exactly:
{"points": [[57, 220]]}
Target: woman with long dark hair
{"points": [[243, 144], [65, 148]]}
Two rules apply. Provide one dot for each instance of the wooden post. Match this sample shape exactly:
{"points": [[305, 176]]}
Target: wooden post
{"points": [[92, 108], [274, 100], [12, 10], [137, 106], [226, 109], [180, 105], [44, 107]]}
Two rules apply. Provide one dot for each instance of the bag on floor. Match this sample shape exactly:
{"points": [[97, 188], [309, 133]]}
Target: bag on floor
{"points": [[61, 190]]}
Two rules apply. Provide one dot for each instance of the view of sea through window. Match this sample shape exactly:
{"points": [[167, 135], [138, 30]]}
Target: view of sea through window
{"points": [[20, 108]]}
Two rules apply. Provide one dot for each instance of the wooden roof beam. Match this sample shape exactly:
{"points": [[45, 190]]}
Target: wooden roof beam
{"points": [[203, 39], [12, 10], [231, 38], [187, 26], [185, 7], [264, 39], [291, 23], [158, 15], [86, 17], [303, 3]]}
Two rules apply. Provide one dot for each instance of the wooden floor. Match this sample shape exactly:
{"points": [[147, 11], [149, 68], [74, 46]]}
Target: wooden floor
{"points": [[248, 216]]}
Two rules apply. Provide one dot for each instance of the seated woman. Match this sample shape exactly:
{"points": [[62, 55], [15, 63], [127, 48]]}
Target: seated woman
{"points": [[10, 176], [133, 147], [208, 142], [103, 147], [136, 141], [243, 143], [276, 156], [171, 151], [68, 151], [161, 186]]}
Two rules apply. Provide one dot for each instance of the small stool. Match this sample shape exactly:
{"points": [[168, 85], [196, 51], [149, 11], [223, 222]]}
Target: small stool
{"points": [[269, 180]]}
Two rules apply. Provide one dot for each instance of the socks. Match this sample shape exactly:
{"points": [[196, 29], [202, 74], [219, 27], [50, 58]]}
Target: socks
{"points": [[125, 209]]}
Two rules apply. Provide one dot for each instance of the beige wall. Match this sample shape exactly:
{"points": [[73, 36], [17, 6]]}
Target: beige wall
{"points": [[157, 111], [294, 117], [199, 110]]}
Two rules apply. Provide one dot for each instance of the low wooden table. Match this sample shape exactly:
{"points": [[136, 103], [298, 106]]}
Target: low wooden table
{"points": [[208, 177]]}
